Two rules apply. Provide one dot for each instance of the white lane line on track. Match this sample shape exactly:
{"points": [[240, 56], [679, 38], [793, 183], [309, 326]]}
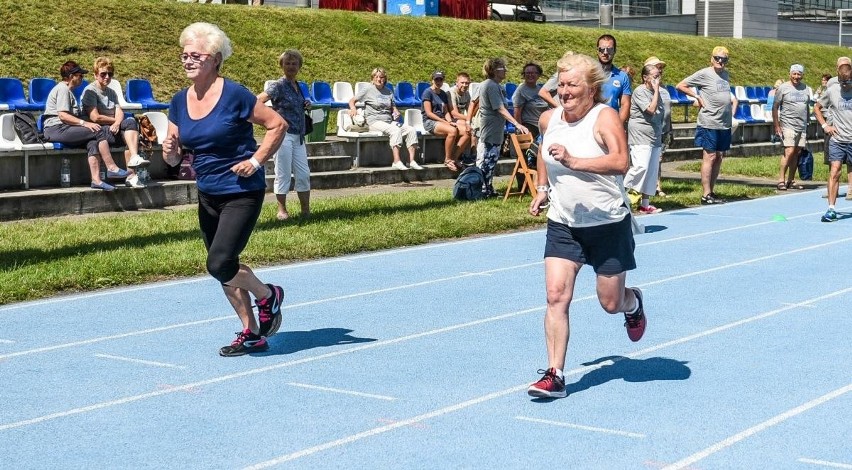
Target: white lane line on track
{"points": [[581, 427], [825, 463], [6, 341], [519, 388], [286, 307], [262, 370], [202, 278], [442, 411], [340, 390], [686, 462], [140, 361], [400, 287]]}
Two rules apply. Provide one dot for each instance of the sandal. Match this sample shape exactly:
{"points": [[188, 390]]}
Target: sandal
{"points": [[794, 185], [661, 193], [451, 164], [781, 186]]}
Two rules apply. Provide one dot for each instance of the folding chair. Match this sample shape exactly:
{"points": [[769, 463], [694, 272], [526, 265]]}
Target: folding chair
{"points": [[521, 143]]}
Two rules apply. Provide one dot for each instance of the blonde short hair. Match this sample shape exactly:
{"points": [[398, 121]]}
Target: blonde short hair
{"points": [[212, 39], [378, 71], [719, 50], [103, 62], [594, 74]]}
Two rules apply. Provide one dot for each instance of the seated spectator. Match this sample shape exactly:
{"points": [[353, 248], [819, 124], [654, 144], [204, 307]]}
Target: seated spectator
{"points": [[382, 115], [100, 106], [437, 119], [528, 105], [64, 124], [461, 108]]}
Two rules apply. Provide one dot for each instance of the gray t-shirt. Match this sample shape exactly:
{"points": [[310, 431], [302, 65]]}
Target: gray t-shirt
{"points": [[644, 128], [793, 106], [715, 90], [378, 104], [493, 124], [840, 103], [461, 101], [59, 99], [526, 98], [104, 100]]}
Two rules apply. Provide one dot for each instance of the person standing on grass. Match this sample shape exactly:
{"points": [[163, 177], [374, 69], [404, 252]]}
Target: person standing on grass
{"points": [[666, 102], [832, 81], [291, 160], [584, 151], [715, 118], [527, 105], [493, 116], [790, 113], [215, 118], [837, 99], [644, 135]]}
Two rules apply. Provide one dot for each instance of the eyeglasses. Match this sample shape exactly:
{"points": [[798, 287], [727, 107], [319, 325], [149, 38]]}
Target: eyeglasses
{"points": [[193, 57], [606, 50], [500, 69], [106, 74], [720, 59]]}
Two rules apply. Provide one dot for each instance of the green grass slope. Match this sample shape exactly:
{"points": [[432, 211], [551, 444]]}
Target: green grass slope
{"points": [[141, 36]]}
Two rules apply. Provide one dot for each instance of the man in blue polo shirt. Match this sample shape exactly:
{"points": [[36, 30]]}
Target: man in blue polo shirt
{"points": [[616, 89]]}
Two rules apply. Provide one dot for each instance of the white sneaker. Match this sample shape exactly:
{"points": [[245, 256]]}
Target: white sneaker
{"points": [[133, 182], [399, 166], [137, 161], [414, 165]]}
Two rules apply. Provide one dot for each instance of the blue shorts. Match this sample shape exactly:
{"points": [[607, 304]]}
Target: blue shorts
{"points": [[713, 140], [608, 248], [839, 152]]}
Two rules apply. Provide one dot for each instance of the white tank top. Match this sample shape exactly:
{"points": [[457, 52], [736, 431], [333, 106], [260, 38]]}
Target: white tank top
{"points": [[578, 198]]}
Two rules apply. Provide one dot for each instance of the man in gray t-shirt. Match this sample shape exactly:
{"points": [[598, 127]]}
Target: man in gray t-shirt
{"points": [[713, 132], [790, 118], [838, 98]]}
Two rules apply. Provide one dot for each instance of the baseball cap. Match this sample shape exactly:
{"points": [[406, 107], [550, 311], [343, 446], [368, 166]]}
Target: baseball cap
{"points": [[74, 70], [653, 60], [797, 68], [437, 74]]}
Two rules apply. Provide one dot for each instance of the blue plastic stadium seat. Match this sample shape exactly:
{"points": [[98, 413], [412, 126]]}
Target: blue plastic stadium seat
{"points": [[306, 91], [12, 95], [421, 87], [321, 91], [78, 92], [139, 91], [39, 88], [743, 113], [751, 93], [510, 91], [405, 97]]}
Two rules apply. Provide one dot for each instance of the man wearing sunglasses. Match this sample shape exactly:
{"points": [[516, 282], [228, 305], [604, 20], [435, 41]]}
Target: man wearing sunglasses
{"points": [[713, 132], [837, 99], [616, 89]]}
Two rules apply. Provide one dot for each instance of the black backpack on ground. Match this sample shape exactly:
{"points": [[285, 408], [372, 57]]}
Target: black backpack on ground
{"points": [[26, 128], [469, 184]]}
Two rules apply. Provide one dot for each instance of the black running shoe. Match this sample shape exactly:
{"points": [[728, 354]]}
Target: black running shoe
{"points": [[246, 342], [711, 199], [269, 311]]}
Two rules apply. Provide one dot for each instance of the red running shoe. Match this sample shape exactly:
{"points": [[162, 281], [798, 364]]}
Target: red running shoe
{"points": [[550, 386], [635, 322]]}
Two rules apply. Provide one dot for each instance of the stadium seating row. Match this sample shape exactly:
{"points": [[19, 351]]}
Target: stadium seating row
{"points": [[139, 95]]}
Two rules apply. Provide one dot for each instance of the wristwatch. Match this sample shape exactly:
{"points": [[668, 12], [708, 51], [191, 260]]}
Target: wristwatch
{"points": [[542, 188]]}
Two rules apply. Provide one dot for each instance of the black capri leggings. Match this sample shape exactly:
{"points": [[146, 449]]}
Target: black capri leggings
{"points": [[227, 221]]}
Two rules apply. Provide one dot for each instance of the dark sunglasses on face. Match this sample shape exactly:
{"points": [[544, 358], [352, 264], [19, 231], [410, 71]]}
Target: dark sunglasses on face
{"points": [[606, 50], [106, 74], [720, 59]]}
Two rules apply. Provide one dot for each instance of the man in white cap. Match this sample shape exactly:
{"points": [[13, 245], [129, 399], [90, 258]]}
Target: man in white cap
{"points": [[790, 113]]}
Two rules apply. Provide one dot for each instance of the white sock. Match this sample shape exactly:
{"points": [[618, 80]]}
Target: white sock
{"points": [[831, 206], [635, 305], [645, 201], [559, 373]]}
